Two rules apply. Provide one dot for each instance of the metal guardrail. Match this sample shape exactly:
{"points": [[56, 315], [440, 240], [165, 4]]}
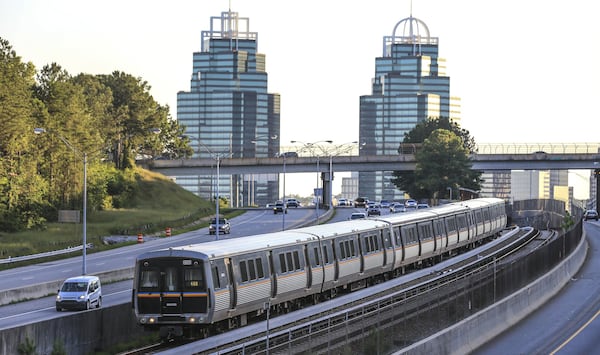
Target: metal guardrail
{"points": [[44, 255]]}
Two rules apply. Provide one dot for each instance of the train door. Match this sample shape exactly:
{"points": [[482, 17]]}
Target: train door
{"points": [[171, 290], [308, 267], [221, 285], [232, 284], [273, 275]]}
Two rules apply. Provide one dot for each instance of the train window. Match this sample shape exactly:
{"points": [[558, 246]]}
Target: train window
{"points": [[149, 280], [290, 262], [325, 255], [259, 269], [348, 251], [397, 236], [215, 277], [451, 223], [193, 278], [425, 231], [316, 254], [367, 245], [409, 234], [171, 281], [342, 251], [244, 270], [296, 261], [462, 222], [282, 263], [251, 269]]}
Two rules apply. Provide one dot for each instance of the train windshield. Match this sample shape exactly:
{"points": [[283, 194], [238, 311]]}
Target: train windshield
{"points": [[170, 276]]}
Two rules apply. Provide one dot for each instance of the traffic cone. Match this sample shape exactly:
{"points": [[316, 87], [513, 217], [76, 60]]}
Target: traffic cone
{"points": [[168, 232], [140, 238]]}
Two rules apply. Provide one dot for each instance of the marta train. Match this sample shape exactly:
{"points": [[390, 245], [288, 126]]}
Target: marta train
{"points": [[200, 289]]}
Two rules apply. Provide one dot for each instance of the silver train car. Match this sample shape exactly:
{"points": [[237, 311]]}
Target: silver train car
{"points": [[200, 289]]}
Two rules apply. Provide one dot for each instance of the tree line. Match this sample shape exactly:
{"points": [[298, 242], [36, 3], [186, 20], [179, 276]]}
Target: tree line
{"points": [[108, 119]]}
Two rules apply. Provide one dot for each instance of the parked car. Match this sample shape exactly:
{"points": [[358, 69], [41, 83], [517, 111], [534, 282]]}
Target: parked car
{"points": [[590, 214], [358, 215], [80, 292], [224, 226], [374, 211], [292, 202], [279, 207]]}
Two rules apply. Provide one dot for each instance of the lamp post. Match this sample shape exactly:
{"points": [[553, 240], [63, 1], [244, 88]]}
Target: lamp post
{"points": [[310, 146], [84, 157], [335, 151], [217, 158]]}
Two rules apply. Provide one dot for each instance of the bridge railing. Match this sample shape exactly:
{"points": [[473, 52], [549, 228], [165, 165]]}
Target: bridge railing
{"points": [[491, 148]]}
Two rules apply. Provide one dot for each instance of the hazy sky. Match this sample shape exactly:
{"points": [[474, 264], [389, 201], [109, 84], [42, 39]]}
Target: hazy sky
{"points": [[526, 71]]}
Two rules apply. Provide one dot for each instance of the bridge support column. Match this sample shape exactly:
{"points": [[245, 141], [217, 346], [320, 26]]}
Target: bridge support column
{"points": [[597, 175], [327, 188]]}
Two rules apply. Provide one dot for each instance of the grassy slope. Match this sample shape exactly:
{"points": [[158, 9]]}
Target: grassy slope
{"points": [[159, 203]]}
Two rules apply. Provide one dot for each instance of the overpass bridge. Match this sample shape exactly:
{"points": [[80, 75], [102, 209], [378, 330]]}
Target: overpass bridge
{"points": [[489, 157]]}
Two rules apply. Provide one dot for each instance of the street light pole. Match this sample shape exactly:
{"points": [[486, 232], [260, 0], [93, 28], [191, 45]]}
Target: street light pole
{"points": [[284, 201], [84, 156]]}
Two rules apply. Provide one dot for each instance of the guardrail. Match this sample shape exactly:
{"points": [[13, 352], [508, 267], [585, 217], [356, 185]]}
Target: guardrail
{"points": [[44, 255]]}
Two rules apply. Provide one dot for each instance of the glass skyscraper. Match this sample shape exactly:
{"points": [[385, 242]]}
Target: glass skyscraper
{"points": [[229, 113], [410, 85]]}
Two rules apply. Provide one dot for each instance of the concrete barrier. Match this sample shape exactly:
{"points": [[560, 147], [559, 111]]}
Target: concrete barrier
{"points": [[83, 332], [50, 288], [471, 333]]}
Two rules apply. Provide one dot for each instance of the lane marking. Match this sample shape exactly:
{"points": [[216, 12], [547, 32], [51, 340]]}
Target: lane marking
{"points": [[575, 334]]}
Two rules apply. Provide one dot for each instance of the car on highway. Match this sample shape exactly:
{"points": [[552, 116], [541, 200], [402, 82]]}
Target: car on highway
{"points": [[280, 207], [80, 292], [344, 202], [422, 205], [361, 202], [292, 202], [410, 203], [358, 215], [373, 211], [590, 214], [224, 226], [397, 207]]}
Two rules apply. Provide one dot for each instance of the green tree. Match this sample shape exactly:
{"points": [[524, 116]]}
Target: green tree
{"points": [[135, 118], [442, 162], [424, 129], [22, 191]]}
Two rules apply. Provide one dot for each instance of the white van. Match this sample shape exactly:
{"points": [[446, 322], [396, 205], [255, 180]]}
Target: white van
{"points": [[81, 292]]}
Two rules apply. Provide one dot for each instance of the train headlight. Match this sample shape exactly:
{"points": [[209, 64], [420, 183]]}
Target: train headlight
{"points": [[151, 320], [192, 320]]}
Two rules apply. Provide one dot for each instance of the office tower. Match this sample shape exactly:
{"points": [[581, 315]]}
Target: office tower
{"points": [[410, 85], [228, 112]]}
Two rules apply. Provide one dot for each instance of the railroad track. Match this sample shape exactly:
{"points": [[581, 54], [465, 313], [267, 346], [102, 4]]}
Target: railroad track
{"points": [[252, 338]]}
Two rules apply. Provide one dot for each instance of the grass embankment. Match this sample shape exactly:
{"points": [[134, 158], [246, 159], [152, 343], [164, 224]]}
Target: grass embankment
{"points": [[159, 203]]}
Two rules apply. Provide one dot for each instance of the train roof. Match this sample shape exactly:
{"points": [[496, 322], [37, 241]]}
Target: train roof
{"points": [[230, 247]]}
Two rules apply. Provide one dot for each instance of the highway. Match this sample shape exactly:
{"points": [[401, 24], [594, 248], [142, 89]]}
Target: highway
{"points": [[569, 323], [249, 223]]}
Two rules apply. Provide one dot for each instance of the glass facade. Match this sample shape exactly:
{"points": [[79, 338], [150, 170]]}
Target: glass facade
{"points": [[410, 85], [228, 112]]}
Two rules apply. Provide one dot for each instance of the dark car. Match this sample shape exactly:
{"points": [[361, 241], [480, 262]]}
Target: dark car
{"points": [[374, 211], [590, 214], [279, 207], [224, 226], [361, 202]]}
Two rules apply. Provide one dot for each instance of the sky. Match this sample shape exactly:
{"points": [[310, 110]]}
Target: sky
{"points": [[526, 71]]}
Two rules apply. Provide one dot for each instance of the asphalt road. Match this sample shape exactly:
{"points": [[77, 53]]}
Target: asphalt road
{"points": [[250, 223], [567, 324]]}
